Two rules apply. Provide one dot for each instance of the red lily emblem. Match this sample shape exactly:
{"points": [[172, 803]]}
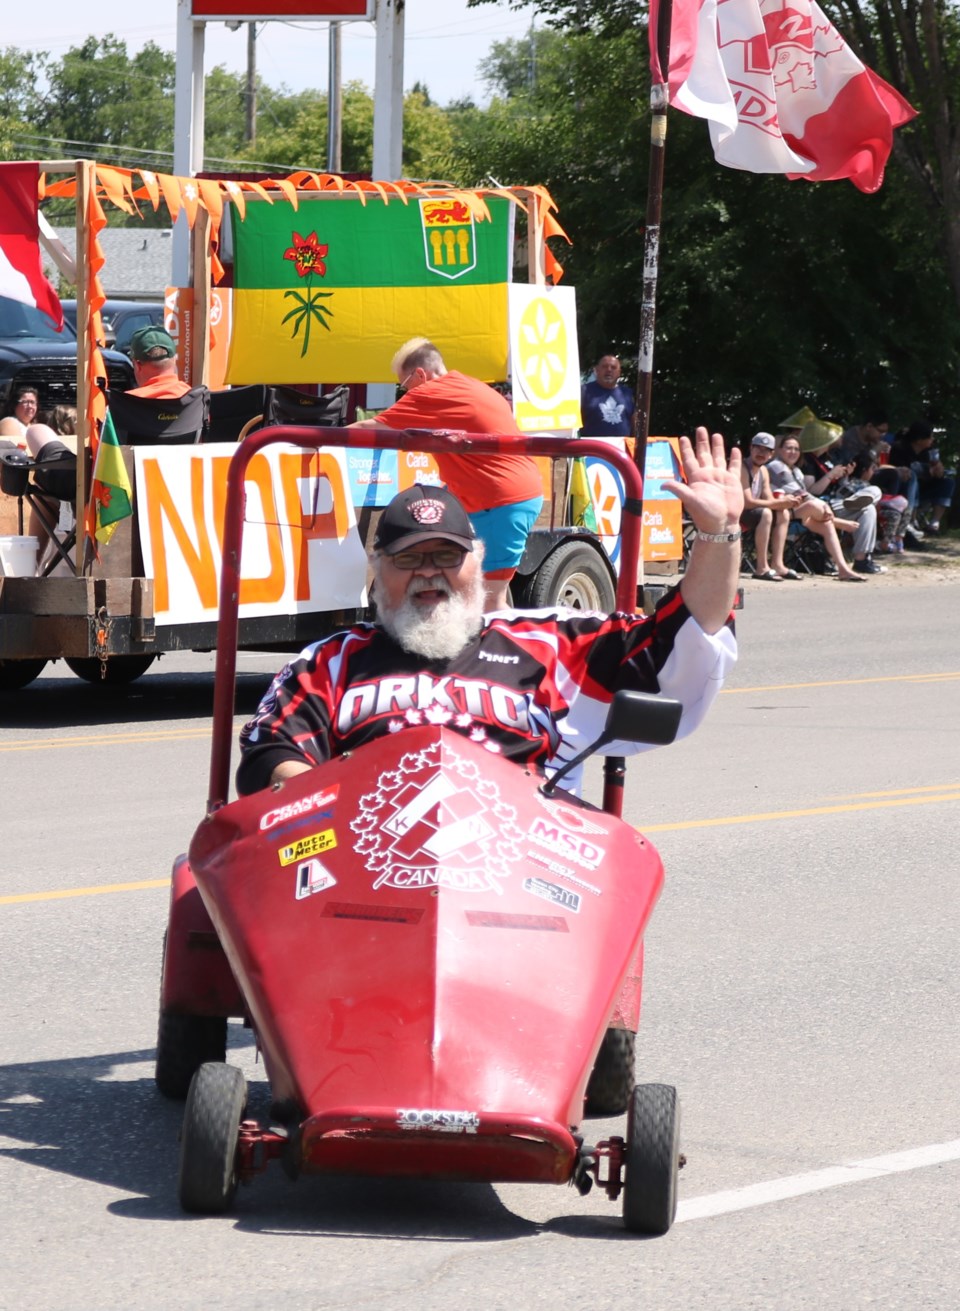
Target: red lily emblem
{"points": [[307, 254]]}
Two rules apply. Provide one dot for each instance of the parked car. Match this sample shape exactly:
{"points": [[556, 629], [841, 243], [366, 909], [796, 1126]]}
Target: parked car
{"points": [[121, 319], [34, 354]]}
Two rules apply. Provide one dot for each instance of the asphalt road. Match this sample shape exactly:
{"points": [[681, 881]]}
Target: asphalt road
{"points": [[801, 990]]}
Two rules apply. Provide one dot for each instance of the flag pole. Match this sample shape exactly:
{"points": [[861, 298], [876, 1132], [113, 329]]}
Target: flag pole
{"points": [[614, 768], [659, 103]]}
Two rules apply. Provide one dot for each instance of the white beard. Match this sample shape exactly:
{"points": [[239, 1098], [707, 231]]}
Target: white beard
{"points": [[446, 630]]}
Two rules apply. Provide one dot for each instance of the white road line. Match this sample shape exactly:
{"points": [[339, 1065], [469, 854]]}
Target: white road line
{"points": [[816, 1181]]}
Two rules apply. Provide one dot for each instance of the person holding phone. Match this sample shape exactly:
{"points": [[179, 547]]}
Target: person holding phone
{"points": [[830, 479], [816, 515]]}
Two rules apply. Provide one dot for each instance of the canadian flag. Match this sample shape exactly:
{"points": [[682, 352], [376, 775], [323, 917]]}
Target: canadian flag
{"points": [[782, 90], [21, 271]]}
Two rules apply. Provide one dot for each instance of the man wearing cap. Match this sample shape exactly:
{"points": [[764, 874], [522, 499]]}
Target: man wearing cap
{"points": [[502, 493], [533, 686], [154, 355], [766, 514]]}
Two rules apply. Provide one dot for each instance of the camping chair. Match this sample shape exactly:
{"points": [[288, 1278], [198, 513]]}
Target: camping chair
{"points": [[231, 410], [286, 405], [54, 476], [150, 421]]}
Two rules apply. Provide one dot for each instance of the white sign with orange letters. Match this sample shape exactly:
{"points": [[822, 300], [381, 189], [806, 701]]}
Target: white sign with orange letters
{"points": [[301, 548]]}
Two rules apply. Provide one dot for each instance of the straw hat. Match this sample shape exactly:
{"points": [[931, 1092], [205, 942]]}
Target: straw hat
{"points": [[819, 435], [799, 419]]}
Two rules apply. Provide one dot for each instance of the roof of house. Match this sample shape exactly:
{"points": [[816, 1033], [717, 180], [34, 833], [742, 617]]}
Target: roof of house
{"points": [[138, 261]]}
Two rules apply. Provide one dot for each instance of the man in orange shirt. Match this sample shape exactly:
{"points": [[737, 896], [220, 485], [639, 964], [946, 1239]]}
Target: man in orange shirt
{"points": [[502, 494], [154, 355]]}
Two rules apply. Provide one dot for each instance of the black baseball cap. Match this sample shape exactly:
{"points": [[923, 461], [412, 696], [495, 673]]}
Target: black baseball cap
{"points": [[421, 514]]}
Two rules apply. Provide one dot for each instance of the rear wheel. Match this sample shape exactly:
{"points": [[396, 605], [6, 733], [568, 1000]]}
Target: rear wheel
{"points": [[574, 575], [15, 674], [612, 1078], [652, 1159], [119, 669], [184, 1043], [209, 1140]]}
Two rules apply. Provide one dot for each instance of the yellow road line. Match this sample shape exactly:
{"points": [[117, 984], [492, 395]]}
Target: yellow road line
{"points": [[899, 792], [764, 816], [62, 893], [108, 740], [844, 682]]}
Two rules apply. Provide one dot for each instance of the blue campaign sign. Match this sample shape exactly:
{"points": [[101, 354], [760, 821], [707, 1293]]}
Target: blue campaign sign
{"points": [[374, 476], [661, 463]]}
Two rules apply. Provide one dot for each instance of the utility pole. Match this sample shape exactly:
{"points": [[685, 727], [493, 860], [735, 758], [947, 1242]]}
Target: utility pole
{"points": [[334, 104], [251, 128]]}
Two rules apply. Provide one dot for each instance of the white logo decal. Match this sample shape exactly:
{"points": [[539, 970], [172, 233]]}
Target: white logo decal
{"points": [[311, 878], [301, 807], [423, 828], [572, 817], [552, 892], [569, 845]]}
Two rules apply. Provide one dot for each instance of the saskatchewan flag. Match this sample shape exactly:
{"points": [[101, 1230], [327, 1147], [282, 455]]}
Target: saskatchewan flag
{"points": [[329, 291], [111, 483]]}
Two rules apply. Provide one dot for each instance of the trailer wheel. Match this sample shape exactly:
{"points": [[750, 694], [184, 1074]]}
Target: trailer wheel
{"points": [[652, 1159], [611, 1080], [15, 674], [573, 575], [209, 1139], [184, 1043], [119, 669]]}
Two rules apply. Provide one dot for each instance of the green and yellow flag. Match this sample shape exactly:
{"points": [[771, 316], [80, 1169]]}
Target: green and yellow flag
{"points": [[328, 292], [111, 484]]}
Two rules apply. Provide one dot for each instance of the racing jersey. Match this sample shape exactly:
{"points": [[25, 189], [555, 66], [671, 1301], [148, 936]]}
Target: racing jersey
{"points": [[533, 686]]}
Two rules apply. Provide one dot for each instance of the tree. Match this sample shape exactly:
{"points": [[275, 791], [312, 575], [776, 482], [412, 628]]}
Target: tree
{"points": [[771, 293]]}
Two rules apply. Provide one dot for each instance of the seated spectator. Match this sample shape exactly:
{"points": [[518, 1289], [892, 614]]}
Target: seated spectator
{"points": [[62, 428], [766, 514], [893, 510], [923, 478], [871, 434], [825, 476], [154, 355], [21, 411], [816, 515]]}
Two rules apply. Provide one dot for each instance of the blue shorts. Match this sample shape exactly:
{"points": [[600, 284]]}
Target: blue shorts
{"points": [[504, 532]]}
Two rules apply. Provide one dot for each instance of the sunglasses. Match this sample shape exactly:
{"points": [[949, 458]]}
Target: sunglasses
{"points": [[404, 383], [445, 557]]}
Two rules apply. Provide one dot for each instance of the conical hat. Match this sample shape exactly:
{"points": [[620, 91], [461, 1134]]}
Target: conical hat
{"points": [[806, 415], [819, 436]]}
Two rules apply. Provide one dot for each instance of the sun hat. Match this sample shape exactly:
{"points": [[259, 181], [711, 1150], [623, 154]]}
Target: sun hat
{"points": [[764, 439], [819, 436], [799, 419], [421, 514]]}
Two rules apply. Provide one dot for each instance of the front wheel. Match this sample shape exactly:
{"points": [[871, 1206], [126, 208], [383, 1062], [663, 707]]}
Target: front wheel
{"points": [[210, 1139], [118, 670], [184, 1043], [575, 576], [652, 1159]]}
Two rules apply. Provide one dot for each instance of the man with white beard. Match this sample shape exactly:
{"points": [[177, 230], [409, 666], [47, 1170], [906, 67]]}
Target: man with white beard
{"points": [[533, 686]]}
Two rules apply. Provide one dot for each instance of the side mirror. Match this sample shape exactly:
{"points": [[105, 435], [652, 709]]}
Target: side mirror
{"points": [[632, 717]]}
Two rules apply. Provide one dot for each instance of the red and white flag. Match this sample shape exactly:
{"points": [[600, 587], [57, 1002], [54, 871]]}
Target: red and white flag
{"points": [[782, 90], [21, 269]]}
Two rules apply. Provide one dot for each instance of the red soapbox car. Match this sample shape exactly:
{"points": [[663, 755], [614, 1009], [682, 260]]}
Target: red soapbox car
{"points": [[429, 943]]}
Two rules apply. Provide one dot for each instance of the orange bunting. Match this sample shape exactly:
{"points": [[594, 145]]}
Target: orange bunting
{"points": [[235, 193], [151, 186], [211, 197], [190, 196]]}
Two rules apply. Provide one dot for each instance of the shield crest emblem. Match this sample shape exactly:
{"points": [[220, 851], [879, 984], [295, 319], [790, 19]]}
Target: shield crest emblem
{"points": [[449, 239]]}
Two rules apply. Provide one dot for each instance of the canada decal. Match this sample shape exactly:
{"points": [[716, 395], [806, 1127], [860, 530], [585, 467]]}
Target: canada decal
{"points": [[312, 845], [436, 822]]}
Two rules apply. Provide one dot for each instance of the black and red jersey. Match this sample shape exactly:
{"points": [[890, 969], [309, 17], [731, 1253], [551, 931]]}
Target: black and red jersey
{"points": [[533, 686]]}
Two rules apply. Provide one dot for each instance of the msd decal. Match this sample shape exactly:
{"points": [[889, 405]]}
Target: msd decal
{"points": [[435, 822], [571, 846]]}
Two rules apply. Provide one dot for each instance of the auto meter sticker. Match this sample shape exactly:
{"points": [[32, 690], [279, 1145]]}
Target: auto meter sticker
{"points": [[572, 817], [438, 1121], [271, 818], [311, 878], [571, 846], [426, 827], [312, 845], [553, 892]]}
